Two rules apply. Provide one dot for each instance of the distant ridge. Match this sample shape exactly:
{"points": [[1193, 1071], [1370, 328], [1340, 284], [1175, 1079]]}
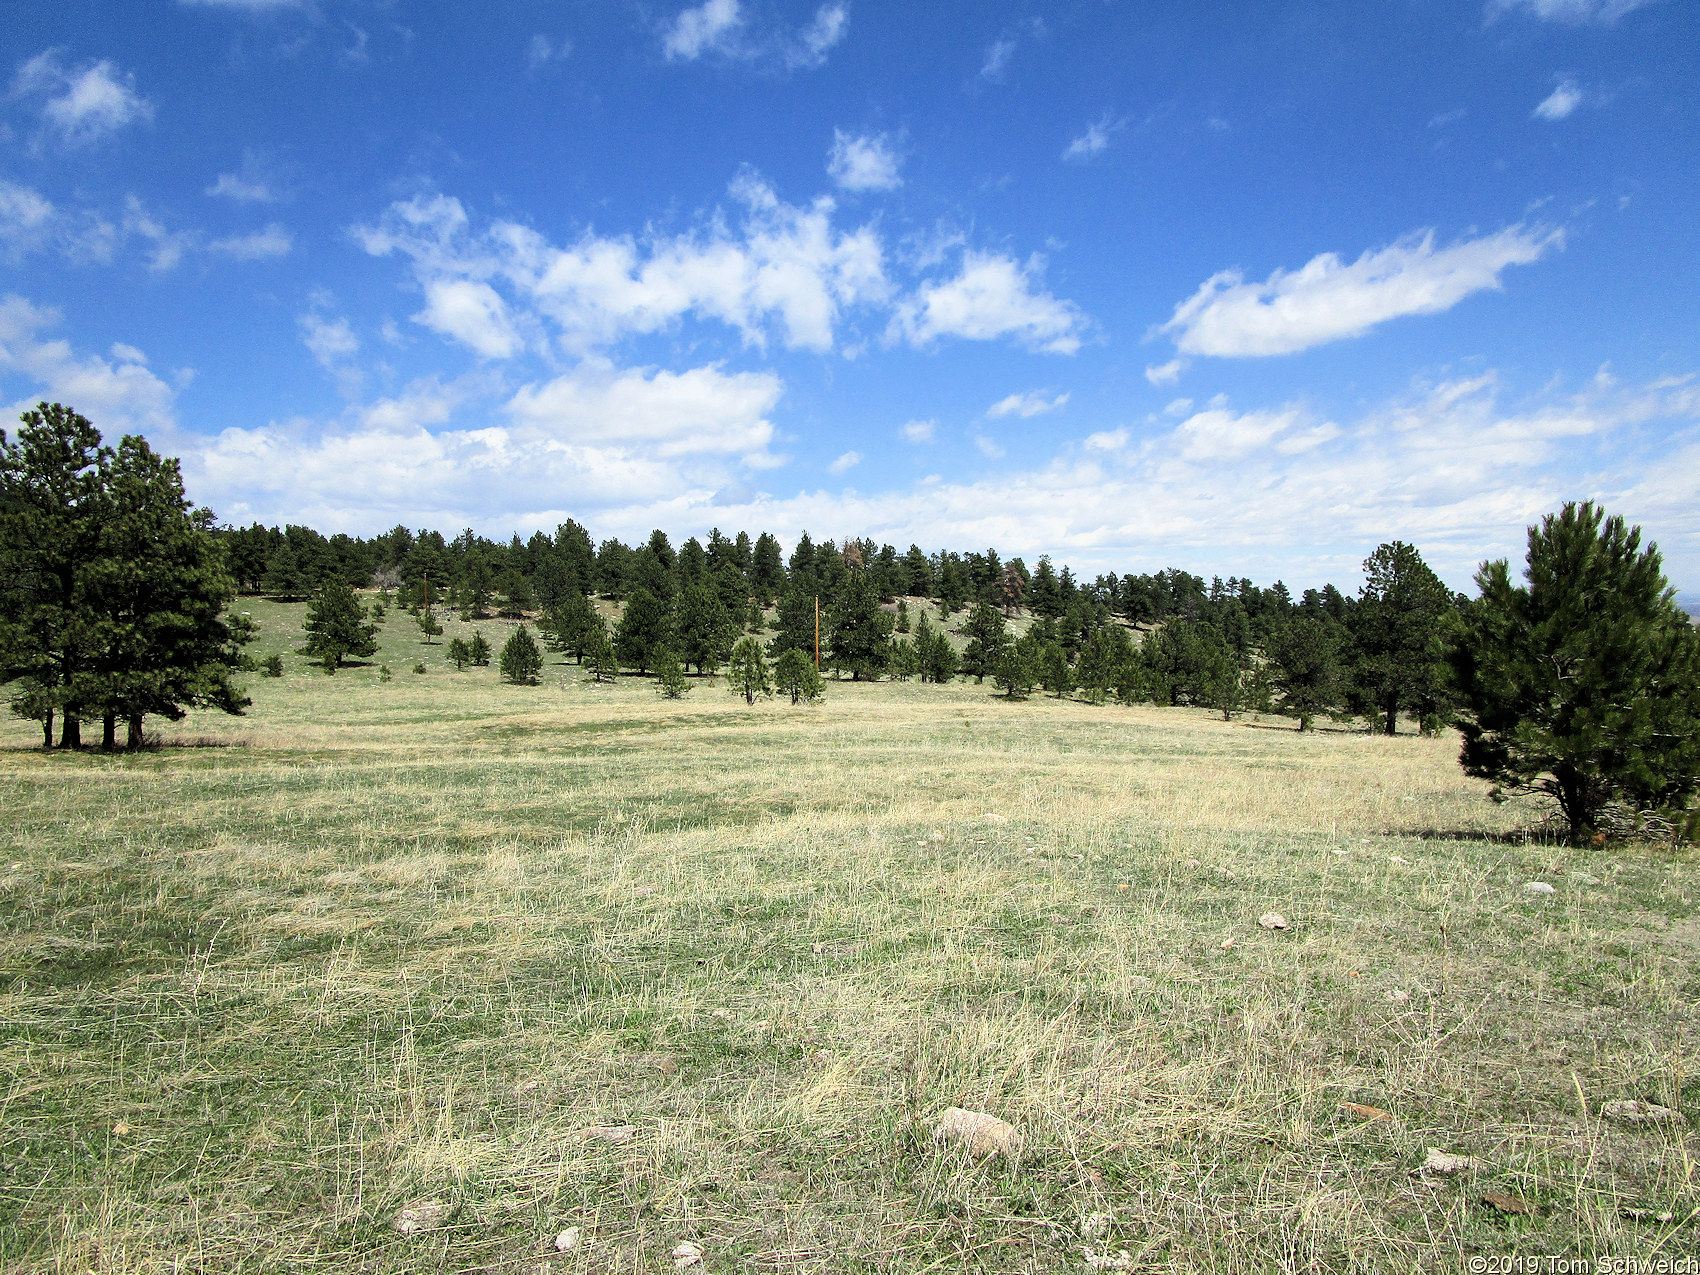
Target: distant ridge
{"points": [[1690, 602]]}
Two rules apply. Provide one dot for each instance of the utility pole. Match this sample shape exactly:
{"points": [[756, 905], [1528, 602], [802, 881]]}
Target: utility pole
{"points": [[817, 632]]}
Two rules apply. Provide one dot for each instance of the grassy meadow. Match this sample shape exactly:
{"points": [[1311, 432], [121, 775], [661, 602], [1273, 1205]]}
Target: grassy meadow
{"points": [[526, 959]]}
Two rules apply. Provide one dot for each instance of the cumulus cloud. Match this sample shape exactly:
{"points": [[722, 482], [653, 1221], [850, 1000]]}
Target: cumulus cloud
{"points": [[120, 395], [1327, 300], [273, 241], [1561, 102], [919, 431], [472, 313], [26, 221], [1165, 373], [1032, 403], [849, 460], [699, 30], [992, 296], [862, 162], [83, 104], [787, 269], [332, 343], [1574, 12], [169, 246]]}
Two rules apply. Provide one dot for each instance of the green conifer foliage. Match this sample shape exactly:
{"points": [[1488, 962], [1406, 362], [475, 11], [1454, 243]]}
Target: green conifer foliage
{"points": [[521, 661], [337, 627], [748, 673]]}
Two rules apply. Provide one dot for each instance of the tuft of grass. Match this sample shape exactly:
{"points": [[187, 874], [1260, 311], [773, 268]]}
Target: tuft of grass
{"points": [[415, 938]]}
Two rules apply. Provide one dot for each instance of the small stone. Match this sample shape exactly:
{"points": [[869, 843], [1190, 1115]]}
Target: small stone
{"points": [[120, 1129], [1399, 996], [613, 1134], [1538, 887], [1094, 1226], [720, 1013], [981, 1134], [666, 1066], [1439, 1161], [568, 1239], [1272, 921], [1226, 944], [1193, 863], [817, 948], [1393, 858], [423, 1216], [1139, 983], [687, 1254], [1634, 1111], [1120, 1260], [993, 819], [1341, 853]]}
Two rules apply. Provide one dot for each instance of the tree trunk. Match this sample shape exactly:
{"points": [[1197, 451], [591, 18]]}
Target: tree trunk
{"points": [[134, 738], [71, 732], [109, 732], [1393, 718], [47, 729]]}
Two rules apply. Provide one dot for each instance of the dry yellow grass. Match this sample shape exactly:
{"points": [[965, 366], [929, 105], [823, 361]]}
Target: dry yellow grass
{"points": [[414, 939]]}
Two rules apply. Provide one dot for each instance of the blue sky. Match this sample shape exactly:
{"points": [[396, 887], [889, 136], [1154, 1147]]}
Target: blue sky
{"points": [[1243, 288]]}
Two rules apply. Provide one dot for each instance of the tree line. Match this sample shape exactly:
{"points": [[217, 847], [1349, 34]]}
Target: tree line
{"points": [[1580, 683]]}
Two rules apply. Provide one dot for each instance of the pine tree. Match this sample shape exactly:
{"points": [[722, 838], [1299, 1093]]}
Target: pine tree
{"points": [[1403, 626], [795, 623], [934, 652], [569, 624], [1055, 675], [670, 680], [284, 579], [643, 629], [988, 637], [797, 677], [1305, 667], [902, 625], [1017, 669], [460, 655], [429, 625], [599, 653], [521, 661], [705, 630], [337, 626], [861, 631], [1101, 663], [905, 663], [748, 672], [1583, 684], [478, 650]]}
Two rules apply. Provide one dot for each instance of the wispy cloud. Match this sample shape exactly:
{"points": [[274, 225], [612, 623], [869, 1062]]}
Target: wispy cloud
{"points": [[1574, 12], [1561, 102], [1094, 141], [1032, 403], [849, 460], [703, 29], [719, 27], [919, 431], [814, 42], [997, 59], [273, 241], [1328, 300], [541, 50], [83, 104], [864, 162]]}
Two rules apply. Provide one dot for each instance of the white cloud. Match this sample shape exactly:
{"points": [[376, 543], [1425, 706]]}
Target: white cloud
{"points": [[1327, 300], [862, 163], [246, 6], [1107, 440], [1093, 141], [542, 50], [849, 460], [273, 241], [1165, 373], [26, 221], [1574, 12], [333, 344], [919, 431], [472, 313], [830, 24], [1032, 403], [1561, 102], [120, 396], [168, 245], [993, 296], [989, 447], [83, 104], [230, 186], [786, 268], [997, 59], [703, 29]]}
